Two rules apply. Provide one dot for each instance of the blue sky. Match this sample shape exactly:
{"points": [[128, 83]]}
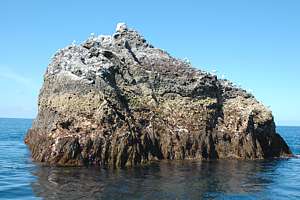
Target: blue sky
{"points": [[254, 43]]}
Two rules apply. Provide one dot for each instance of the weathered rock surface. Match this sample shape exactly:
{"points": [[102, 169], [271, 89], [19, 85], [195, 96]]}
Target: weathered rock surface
{"points": [[118, 101]]}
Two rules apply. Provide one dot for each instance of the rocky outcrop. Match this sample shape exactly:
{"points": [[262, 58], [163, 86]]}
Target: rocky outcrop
{"points": [[118, 101]]}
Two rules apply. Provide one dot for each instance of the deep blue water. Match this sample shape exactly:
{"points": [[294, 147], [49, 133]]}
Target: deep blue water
{"points": [[20, 178]]}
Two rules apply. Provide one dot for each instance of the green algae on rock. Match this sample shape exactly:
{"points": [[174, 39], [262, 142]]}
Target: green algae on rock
{"points": [[117, 101]]}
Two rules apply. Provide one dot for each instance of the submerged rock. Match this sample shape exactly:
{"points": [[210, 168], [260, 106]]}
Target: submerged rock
{"points": [[118, 101]]}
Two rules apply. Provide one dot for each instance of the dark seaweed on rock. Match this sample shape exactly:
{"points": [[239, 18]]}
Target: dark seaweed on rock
{"points": [[117, 101]]}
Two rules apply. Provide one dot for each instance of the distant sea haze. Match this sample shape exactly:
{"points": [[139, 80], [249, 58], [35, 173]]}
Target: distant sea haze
{"points": [[288, 123]]}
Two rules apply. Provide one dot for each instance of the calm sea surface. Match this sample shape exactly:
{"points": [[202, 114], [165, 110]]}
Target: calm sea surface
{"points": [[20, 178]]}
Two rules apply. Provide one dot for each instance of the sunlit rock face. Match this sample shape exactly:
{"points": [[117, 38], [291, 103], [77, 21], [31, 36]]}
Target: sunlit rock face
{"points": [[118, 101]]}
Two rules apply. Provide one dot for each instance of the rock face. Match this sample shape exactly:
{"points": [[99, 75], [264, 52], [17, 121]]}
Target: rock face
{"points": [[117, 101]]}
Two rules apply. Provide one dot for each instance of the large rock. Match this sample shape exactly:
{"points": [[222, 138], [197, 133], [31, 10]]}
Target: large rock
{"points": [[118, 101]]}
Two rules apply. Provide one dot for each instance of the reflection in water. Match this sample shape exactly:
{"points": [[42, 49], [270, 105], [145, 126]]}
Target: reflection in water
{"points": [[164, 180], [22, 179]]}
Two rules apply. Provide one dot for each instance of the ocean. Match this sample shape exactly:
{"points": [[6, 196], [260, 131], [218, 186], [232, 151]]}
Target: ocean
{"points": [[21, 178]]}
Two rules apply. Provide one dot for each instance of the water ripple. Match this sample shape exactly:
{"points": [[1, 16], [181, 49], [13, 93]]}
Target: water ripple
{"points": [[20, 178]]}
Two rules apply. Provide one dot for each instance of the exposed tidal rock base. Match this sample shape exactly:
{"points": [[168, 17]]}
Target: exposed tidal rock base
{"points": [[118, 101]]}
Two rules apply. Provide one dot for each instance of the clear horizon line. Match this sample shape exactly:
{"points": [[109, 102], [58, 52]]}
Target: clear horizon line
{"points": [[277, 124]]}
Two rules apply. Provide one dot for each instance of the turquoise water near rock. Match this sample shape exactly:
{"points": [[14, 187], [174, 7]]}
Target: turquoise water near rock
{"points": [[20, 178]]}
